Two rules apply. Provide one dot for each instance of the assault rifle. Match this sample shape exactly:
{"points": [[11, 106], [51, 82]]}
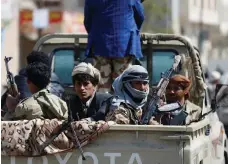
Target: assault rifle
{"points": [[65, 126], [10, 79], [159, 91]]}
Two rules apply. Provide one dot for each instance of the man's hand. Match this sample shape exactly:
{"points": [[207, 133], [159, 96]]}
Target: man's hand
{"points": [[11, 102], [153, 121], [162, 102]]}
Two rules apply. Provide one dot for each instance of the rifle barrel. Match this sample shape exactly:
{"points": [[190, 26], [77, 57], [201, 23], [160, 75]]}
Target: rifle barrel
{"points": [[159, 92], [10, 79], [75, 137], [7, 59]]}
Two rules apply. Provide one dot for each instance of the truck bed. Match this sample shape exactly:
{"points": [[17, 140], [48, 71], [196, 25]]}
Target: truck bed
{"points": [[131, 144]]}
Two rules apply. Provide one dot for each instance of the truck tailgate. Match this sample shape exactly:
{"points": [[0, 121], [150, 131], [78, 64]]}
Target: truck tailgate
{"points": [[128, 144]]}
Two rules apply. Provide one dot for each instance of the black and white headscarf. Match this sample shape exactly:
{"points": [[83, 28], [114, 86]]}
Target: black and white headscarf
{"points": [[123, 90]]}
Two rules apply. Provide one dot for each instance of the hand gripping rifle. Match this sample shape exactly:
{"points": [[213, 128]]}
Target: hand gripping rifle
{"points": [[66, 124], [10, 79], [159, 91]]}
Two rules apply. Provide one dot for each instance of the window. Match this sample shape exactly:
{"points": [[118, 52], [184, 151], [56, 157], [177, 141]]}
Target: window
{"points": [[63, 64], [64, 61], [161, 62]]}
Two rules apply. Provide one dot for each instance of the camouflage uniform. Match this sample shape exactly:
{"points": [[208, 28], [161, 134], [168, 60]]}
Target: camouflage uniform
{"points": [[43, 105], [124, 114], [126, 105], [193, 111], [110, 68]]}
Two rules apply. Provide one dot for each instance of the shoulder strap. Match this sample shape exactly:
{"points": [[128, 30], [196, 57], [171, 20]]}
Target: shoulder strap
{"points": [[47, 111], [43, 107]]}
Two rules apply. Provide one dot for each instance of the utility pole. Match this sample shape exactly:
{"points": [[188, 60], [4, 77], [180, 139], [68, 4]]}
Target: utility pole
{"points": [[167, 15], [201, 33]]}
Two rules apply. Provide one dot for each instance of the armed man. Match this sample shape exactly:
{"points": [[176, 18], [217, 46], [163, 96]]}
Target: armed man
{"points": [[42, 104], [178, 91], [131, 89], [20, 81]]}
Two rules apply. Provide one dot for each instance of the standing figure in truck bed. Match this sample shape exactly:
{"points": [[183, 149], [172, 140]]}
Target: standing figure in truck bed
{"points": [[113, 28]]}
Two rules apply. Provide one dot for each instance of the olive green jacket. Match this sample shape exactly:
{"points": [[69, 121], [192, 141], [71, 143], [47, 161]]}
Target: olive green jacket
{"points": [[43, 105]]}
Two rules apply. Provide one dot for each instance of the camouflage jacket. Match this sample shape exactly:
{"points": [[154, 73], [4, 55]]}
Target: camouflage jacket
{"points": [[193, 111], [124, 114], [43, 105]]}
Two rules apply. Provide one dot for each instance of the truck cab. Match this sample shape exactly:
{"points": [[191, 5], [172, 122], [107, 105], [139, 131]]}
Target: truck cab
{"points": [[142, 144]]}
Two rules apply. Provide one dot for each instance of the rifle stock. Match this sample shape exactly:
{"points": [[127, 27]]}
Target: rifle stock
{"points": [[12, 87], [159, 91]]}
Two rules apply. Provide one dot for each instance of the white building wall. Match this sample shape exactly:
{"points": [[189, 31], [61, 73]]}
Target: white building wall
{"points": [[10, 48], [175, 20], [208, 15], [9, 38], [223, 17], [212, 14]]}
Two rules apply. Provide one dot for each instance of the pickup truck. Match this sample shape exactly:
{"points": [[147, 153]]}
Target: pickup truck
{"points": [[141, 144]]}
